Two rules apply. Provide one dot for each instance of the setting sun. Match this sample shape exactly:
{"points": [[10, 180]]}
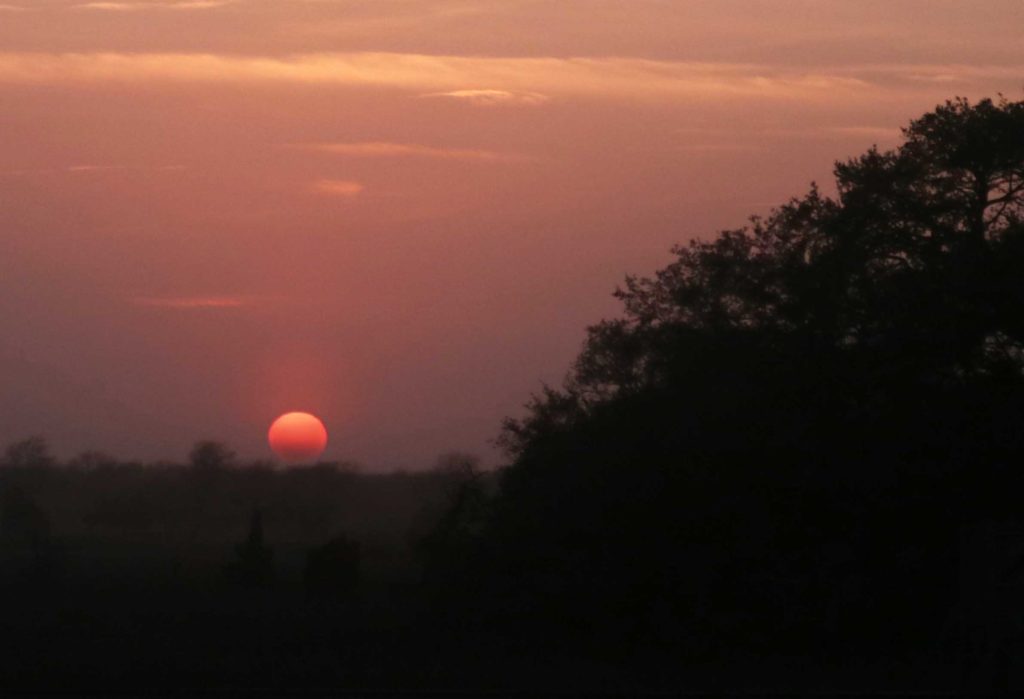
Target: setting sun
{"points": [[297, 437]]}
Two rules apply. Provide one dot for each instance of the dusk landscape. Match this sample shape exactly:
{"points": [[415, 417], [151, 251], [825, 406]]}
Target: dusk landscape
{"points": [[498, 346]]}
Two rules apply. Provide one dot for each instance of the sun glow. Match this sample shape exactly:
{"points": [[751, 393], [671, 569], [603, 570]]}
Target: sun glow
{"points": [[297, 437]]}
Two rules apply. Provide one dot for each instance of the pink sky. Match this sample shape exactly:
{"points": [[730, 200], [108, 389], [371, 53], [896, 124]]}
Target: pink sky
{"points": [[401, 214]]}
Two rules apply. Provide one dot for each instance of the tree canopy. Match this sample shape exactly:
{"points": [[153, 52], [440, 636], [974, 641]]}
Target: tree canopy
{"points": [[797, 414], [914, 266]]}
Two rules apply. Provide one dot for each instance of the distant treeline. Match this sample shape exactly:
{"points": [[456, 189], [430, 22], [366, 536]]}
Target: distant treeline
{"points": [[193, 514]]}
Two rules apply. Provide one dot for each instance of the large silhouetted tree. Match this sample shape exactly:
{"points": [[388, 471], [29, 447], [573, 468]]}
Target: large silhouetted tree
{"points": [[779, 440], [918, 259]]}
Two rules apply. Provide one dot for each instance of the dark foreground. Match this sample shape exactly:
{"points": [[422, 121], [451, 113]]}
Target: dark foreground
{"points": [[145, 639], [128, 578]]}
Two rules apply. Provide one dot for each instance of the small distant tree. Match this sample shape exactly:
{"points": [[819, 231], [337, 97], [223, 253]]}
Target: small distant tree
{"points": [[254, 562], [92, 460], [208, 455], [31, 452], [332, 570]]}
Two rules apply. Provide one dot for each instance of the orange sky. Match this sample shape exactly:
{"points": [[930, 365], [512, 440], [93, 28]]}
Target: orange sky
{"points": [[401, 214]]}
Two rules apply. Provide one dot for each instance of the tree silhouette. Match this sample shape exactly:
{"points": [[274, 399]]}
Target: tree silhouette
{"points": [[254, 562], [917, 259], [779, 440], [448, 547], [91, 460], [210, 455], [30, 452], [25, 543]]}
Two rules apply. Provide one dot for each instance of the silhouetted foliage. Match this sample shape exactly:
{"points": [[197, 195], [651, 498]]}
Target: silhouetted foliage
{"points": [[332, 570], [777, 444], [124, 512], [90, 460], [254, 562], [29, 453], [448, 548], [210, 455]]}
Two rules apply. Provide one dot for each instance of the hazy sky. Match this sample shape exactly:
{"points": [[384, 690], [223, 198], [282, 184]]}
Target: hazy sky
{"points": [[401, 214]]}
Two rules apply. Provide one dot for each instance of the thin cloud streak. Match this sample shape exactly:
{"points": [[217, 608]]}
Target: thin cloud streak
{"points": [[493, 98], [137, 6], [94, 168], [622, 78], [380, 149], [337, 188], [87, 168]]}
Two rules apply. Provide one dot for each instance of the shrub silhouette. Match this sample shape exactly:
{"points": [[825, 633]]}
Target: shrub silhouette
{"points": [[254, 562], [210, 455], [448, 547], [30, 452]]}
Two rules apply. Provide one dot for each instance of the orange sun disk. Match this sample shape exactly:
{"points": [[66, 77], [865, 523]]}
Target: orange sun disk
{"points": [[297, 437]]}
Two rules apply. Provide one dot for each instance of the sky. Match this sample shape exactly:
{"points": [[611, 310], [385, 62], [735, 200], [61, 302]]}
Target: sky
{"points": [[401, 215]]}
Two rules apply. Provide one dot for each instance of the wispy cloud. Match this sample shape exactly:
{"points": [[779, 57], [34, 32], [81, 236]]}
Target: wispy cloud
{"points": [[88, 168], [136, 6], [493, 98], [447, 76], [380, 149], [337, 188], [113, 6], [187, 303], [12, 8], [628, 78], [94, 168]]}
